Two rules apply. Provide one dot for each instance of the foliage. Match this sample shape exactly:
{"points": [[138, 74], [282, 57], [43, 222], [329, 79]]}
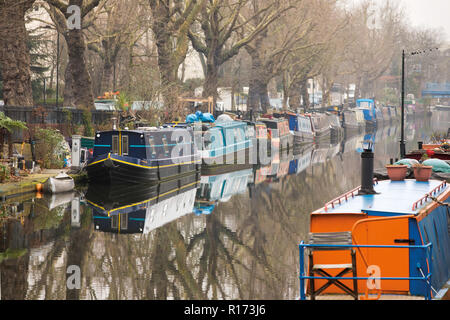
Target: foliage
{"points": [[5, 172], [50, 148], [10, 124], [87, 123]]}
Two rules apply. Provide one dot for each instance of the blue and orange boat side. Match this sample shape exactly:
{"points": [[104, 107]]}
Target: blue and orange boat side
{"points": [[410, 214]]}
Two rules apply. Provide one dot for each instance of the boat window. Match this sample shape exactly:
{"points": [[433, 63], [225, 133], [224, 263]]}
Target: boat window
{"points": [[114, 222], [364, 105], [124, 221], [151, 140], [125, 145], [115, 144], [165, 145]]}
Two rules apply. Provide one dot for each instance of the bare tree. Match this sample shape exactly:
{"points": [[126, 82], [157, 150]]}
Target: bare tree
{"points": [[78, 85], [14, 54], [224, 31]]}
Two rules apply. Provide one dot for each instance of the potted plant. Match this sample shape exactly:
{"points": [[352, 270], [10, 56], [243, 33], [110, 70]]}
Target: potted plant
{"points": [[422, 172], [397, 172]]}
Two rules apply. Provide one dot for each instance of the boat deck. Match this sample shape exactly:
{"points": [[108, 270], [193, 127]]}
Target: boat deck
{"points": [[392, 198]]}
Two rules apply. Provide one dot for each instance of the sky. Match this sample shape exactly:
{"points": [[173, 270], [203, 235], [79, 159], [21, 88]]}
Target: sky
{"points": [[429, 13], [433, 14]]}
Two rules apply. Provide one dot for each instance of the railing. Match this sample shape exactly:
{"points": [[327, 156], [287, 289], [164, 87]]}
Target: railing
{"points": [[344, 196], [429, 194], [426, 277]]}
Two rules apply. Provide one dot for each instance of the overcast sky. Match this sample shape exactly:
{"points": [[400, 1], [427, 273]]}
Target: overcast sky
{"points": [[429, 13], [426, 13]]}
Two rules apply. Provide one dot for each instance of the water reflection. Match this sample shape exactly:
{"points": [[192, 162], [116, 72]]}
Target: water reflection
{"points": [[154, 247]]}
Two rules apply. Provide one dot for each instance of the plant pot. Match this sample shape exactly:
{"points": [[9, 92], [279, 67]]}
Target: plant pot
{"points": [[423, 173], [397, 172]]}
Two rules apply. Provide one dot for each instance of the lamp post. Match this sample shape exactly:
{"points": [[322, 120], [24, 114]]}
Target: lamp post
{"points": [[402, 139]]}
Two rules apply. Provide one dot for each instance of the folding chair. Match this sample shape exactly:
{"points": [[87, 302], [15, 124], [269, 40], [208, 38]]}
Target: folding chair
{"points": [[332, 238]]}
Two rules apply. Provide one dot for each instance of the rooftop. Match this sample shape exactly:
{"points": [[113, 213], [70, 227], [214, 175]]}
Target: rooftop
{"points": [[392, 198]]}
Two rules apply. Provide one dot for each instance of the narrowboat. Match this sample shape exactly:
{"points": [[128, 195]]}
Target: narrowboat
{"points": [[148, 208], [381, 239], [145, 155], [300, 127], [279, 134], [336, 130], [432, 150], [321, 126], [226, 142], [350, 122], [367, 106], [220, 188]]}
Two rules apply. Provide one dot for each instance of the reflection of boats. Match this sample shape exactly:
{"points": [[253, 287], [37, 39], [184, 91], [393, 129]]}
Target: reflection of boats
{"points": [[215, 188], [59, 184], [301, 161], [149, 208], [142, 156], [398, 235]]}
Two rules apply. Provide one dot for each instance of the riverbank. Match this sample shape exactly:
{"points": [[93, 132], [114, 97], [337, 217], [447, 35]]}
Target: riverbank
{"points": [[26, 184]]}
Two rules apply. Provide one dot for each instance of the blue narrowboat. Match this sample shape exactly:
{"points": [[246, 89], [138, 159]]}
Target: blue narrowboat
{"points": [[384, 237], [226, 142], [300, 126], [369, 110], [142, 155]]}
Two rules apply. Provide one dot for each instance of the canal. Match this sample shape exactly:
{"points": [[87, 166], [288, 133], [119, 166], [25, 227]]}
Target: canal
{"points": [[239, 242]]}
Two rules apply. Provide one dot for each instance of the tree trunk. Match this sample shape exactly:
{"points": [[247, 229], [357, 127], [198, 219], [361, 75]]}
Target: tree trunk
{"points": [[107, 76], [294, 95], [14, 54], [78, 86], [211, 81]]}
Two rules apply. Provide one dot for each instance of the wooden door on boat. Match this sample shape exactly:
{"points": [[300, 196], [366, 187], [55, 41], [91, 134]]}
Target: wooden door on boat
{"points": [[389, 262]]}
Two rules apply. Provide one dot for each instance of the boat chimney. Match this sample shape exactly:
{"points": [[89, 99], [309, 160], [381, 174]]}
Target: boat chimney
{"points": [[367, 172]]}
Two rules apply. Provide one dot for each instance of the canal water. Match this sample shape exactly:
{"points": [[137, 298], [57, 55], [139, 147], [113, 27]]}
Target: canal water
{"points": [[232, 235]]}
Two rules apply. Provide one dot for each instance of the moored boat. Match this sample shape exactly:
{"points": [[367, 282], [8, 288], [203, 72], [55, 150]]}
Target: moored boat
{"points": [[279, 134], [321, 126], [60, 183], [350, 122], [226, 142], [337, 132], [146, 155], [369, 110], [386, 237]]}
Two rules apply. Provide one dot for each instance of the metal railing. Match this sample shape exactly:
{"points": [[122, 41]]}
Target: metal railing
{"points": [[425, 277]]}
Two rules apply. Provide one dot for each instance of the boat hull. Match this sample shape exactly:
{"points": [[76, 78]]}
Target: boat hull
{"points": [[119, 169]]}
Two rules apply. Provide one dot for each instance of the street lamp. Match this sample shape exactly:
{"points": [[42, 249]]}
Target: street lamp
{"points": [[402, 139]]}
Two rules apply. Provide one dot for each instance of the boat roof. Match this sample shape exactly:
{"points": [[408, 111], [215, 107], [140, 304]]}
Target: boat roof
{"points": [[392, 198]]}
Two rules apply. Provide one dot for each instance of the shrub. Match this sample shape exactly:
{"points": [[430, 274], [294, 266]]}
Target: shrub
{"points": [[50, 148]]}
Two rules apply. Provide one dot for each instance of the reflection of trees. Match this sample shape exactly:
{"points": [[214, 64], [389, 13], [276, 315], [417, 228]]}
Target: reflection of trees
{"points": [[246, 249]]}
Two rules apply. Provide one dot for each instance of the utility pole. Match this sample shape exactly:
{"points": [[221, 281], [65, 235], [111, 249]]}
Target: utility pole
{"points": [[402, 139]]}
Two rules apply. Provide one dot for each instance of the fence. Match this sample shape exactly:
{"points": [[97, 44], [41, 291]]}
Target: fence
{"points": [[425, 277], [58, 118]]}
